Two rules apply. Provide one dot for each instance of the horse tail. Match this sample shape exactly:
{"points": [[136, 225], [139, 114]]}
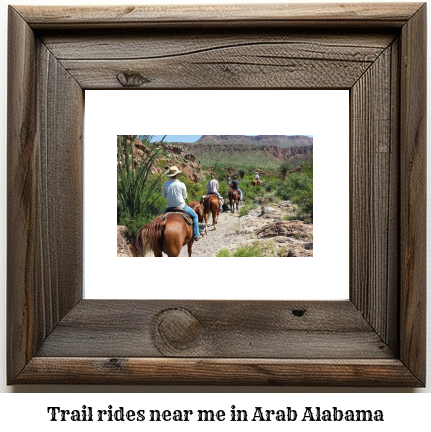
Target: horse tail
{"points": [[150, 235]]}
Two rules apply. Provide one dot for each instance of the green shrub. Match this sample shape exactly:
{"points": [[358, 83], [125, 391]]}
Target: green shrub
{"points": [[224, 253], [194, 190], [293, 186], [299, 189], [252, 250], [135, 184], [245, 209], [305, 202], [270, 185], [284, 169]]}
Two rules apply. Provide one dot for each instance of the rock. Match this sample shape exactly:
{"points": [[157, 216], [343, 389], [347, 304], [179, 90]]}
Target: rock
{"points": [[191, 174], [190, 157], [266, 210], [264, 200], [123, 249], [296, 251], [174, 149], [297, 229], [172, 155]]}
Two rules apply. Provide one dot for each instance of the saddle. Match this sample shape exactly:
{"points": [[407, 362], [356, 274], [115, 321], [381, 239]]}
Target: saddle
{"points": [[210, 194], [180, 211]]}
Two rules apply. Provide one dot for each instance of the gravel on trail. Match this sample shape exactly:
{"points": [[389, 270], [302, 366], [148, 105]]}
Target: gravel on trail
{"points": [[270, 225], [210, 244]]}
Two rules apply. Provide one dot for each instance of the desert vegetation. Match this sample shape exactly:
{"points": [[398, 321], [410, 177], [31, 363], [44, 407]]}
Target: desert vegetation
{"points": [[140, 175]]}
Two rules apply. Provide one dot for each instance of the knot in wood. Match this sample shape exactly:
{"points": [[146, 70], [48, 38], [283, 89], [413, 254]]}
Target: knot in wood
{"points": [[298, 312], [178, 329], [131, 79]]}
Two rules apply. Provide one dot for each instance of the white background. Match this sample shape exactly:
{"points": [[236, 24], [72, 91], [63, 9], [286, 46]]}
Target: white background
{"points": [[403, 410], [323, 114]]}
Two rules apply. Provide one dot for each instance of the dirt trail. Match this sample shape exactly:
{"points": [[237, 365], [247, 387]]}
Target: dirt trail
{"points": [[210, 244], [267, 225]]}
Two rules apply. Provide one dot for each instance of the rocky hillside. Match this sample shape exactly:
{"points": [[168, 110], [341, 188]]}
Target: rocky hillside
{"points": [[263, 156], [267, 227], [271, 150], [282, 141], [171, 155]]}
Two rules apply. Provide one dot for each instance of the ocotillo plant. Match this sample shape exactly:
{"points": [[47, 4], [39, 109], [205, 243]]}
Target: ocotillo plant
{"points": [[135, 187]]}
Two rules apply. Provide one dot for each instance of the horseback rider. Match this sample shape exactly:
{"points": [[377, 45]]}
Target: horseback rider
{"points": [[175, 193], [235, 185], [256, 176], [213, 189], [228, 180]]}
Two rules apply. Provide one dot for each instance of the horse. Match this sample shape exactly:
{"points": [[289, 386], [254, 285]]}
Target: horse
{"points": [[233, 199], [255, 183], [210, 204], [199, 210], [167, 233]]}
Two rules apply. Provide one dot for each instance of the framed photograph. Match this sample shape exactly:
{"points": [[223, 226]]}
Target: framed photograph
{"points": [[376, 337], [267, 223]]}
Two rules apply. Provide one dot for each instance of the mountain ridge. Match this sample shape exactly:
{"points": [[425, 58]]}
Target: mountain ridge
{"points": [[282, 141], [263, 156]]}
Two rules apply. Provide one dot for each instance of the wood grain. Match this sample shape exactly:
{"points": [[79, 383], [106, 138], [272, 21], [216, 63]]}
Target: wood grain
{"points": [[227, 329], [413, 194], [301, 15], [185, 59], [373, 261], [228, 372], [45, 105], [377, 338], [59, 162], [150, 44], [21, 194]]}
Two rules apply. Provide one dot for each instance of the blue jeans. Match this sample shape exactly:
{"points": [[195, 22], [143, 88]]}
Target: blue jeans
{"points": [[194, 217], [216, 194], [240, 193]]}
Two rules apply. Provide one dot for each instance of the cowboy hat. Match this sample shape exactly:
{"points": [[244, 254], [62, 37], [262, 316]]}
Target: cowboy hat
{"points": [[173, 171]]}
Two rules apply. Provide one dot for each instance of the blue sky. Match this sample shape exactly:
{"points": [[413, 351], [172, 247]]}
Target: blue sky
{"points": [[183, 138], [177, 138]]}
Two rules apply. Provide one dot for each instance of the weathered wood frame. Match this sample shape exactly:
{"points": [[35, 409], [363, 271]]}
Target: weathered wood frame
{"points": [[376, 338]]}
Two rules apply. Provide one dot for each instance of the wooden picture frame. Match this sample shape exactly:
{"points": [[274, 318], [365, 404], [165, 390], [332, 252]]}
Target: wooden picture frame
{"points": [[376, 338]]}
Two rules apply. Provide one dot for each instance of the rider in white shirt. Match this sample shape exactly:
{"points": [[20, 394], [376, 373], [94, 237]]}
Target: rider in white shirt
{"points": [[213, 188], [175, 193], [256, 176]]}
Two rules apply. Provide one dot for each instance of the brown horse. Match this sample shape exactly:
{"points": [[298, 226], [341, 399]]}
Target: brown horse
{"points": [[199, 210], [255, 183], [233, 199], [211, 204], [167, 233]]}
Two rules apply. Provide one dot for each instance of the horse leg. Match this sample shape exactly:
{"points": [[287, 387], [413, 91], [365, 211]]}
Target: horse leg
{"points": [[215, 219], [158, 252], [206, 223], [189, 247]]}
